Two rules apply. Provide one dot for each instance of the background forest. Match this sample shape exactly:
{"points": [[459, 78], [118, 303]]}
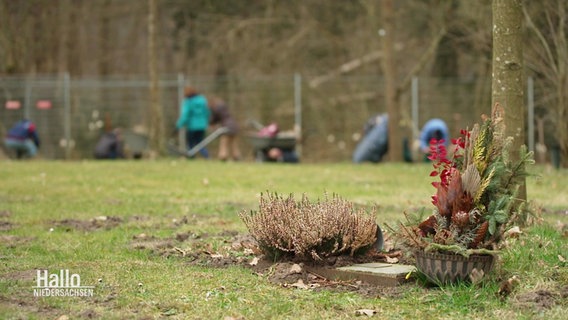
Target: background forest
{"points": [[205, 37], [324, 41]]}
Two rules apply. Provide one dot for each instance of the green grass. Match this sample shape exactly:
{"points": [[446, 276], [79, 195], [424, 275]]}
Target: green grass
{"points": [[152, 197]]}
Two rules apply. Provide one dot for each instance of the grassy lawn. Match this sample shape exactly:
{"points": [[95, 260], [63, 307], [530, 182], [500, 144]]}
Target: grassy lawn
{"points": [[91, 217]]}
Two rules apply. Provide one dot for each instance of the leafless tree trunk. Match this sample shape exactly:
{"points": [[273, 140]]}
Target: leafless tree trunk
{"points": [[508, 81], [156, 126], [104, 38], [64, 26], [390, 72], [549, 58]]}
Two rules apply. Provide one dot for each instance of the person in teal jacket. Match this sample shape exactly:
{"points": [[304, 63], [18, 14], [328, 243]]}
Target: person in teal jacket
{"points": [[194, 118]]}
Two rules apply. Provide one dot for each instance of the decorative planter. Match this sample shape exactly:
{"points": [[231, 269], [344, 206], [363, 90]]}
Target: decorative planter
{"points": [[443, 268]]}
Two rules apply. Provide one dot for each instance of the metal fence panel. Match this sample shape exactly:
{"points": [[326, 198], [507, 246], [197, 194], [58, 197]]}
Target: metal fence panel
{"points": [[333, 112]]}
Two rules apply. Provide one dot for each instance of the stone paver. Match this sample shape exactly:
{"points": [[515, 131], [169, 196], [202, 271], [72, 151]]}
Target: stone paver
{"points": [[382, 274]]}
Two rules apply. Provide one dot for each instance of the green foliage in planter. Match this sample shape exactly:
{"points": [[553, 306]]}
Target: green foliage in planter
{"points": [[310, 230]]}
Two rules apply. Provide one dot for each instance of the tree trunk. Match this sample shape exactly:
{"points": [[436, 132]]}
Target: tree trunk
{"points": [[156, 126], [104, 39], [390, 75], [63, 35], [508, 81]]}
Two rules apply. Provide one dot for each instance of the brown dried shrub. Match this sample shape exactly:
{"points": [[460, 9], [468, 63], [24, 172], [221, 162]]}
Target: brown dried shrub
{"points": [[310, 230]]}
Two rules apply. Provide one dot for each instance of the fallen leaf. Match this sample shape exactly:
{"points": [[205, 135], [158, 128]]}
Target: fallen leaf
{"points": [[514, 232], [561, 258], [314, 285], [476, 275], [507, 286], [392, 260], [216, 256], [170, 312], [254, 261], [295, 269], [365, 312], [299, 284], [388, 245], [236, 245], [562, 228], [180, 251]]}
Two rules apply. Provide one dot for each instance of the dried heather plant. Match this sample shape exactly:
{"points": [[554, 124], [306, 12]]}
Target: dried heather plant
{"points": [[310, 230]]}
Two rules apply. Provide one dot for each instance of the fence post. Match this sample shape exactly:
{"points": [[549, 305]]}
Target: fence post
{"points": [[414, 106], [67, 114], [28, 98], [530, 105], [298, 112]]}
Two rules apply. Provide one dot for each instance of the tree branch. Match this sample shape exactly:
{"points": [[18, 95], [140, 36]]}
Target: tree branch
{"points": [[346, 68], [542, 39], [422, 62]]}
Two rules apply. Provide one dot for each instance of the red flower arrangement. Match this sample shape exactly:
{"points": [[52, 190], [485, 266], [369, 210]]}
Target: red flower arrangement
{"points": [[475, 197]]}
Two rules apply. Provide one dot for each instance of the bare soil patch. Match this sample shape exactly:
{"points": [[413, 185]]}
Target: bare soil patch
{"points": [[30, 306], [24, 276], [543, 298], [5, 214], [6, 225], [11, 241], [242, 250], [162, 247], [101, 222]]}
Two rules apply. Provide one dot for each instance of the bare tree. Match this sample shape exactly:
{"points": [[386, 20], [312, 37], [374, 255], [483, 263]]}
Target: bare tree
{"points": [[156, 125], [104, 38], [393, 87], [508, 81], [548, 58], [63, 45], [390, 73]]}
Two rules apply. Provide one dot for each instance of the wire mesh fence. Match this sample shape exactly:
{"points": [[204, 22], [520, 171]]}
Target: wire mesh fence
{"points": [[72, 113]]}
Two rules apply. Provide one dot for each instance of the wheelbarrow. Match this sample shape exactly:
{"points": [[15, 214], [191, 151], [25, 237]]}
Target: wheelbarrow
{"points": [[261, 144], [135, 143]]}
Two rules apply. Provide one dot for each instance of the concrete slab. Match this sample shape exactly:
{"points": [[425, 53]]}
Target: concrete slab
{"points": [[386, 269], [382, 274]]}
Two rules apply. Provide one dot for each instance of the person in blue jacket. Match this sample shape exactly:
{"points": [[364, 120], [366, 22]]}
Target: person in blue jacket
{"points": [[433, 129], [375, 141], [23, 138], [110, 145], [194, 118]]}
